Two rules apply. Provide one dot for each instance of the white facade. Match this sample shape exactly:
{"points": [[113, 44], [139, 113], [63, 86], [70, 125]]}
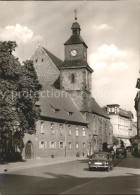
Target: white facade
{"points": [[122, 127], [122, 121]]}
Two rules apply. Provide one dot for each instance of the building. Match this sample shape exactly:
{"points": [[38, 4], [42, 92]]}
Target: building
{"points": [[137, 106], [122, 121], [134, 128], [71, 123], [61, 130]]}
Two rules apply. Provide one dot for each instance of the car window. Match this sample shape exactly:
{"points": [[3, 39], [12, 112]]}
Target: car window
{"points": [[100, 156]]}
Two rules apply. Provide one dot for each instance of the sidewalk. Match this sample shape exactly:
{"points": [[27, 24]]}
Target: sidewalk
{"points": [[35, 163]]}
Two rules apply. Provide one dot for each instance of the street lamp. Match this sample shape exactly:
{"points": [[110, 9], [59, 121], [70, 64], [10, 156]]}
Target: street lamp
{"points": [[65, 138]]}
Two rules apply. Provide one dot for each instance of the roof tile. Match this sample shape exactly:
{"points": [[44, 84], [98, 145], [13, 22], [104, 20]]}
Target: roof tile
{"points": [[58, 99]]}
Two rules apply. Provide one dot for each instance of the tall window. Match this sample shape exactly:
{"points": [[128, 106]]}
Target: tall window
{"points": [[72, 78], [52, 145], [77, 133], [84, 132], [69, 130], [52, 128], [42, 144], [61, 129], [69, 145], [61, 145], [42, 127], [77, 145], [84, 145]]}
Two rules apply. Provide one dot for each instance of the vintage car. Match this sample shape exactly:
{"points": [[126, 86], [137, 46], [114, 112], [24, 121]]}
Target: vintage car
{"points": [[101, 160], [121, 153]]}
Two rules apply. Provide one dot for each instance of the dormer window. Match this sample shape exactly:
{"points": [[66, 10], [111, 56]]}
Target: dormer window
{"points": [[70, 113], [57, 111], [72, 78]]}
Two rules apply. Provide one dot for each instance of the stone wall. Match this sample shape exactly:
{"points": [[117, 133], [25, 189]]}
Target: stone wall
{"points": [[80, 89]]}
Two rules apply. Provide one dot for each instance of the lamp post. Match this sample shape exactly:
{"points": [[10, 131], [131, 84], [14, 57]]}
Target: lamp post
{"points": [[65, 139]]}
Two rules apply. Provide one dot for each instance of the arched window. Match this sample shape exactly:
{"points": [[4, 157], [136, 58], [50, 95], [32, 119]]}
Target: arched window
{"points": [[73, 78]]}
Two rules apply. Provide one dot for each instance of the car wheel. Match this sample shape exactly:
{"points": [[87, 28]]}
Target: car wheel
{"points": [[90, 168]]}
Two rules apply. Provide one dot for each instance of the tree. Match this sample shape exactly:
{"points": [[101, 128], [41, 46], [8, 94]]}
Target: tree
{"points": [[19, 92]]}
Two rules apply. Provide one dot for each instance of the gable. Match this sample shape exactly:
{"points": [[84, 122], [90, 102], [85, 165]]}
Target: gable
{"points": [[46, 69]]}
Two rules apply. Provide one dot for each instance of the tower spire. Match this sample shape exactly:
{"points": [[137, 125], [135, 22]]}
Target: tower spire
{"points": [[76, 12]]}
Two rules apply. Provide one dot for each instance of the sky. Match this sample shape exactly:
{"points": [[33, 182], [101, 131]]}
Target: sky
{"points": [[111, 29]]}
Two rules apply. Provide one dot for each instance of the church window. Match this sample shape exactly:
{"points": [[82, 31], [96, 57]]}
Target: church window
{"points": [[42, 60], [36, 60], [75, 32], [72, 78]]}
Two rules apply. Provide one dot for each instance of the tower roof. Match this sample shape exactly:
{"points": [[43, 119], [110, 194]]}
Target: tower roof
{"points": [[75, 39], [75, 25], [75, 64]]}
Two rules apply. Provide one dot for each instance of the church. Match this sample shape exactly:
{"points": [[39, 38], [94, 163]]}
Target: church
{"points": [[71, 122]]}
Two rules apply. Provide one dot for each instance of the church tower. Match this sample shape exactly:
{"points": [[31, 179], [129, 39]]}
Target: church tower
{"points": [[75, 73]]}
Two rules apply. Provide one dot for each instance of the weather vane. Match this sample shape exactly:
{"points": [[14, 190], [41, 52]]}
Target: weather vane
{"points": [[76, 12]]}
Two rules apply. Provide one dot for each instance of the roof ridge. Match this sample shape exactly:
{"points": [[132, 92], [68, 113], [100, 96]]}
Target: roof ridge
{"points": [[55, 59]]}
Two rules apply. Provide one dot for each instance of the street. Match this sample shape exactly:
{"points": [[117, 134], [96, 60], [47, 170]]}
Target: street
{"points": [[74, 178]]}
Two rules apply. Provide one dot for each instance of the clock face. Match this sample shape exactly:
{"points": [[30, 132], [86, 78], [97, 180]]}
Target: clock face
{"points": [[73, 52]]}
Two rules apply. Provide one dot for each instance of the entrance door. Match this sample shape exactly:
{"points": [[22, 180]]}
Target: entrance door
{"points": [[29, 150]]}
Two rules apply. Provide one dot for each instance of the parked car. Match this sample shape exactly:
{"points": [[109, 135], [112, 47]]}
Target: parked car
{"points": [[101, 160], [121, 152]]}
